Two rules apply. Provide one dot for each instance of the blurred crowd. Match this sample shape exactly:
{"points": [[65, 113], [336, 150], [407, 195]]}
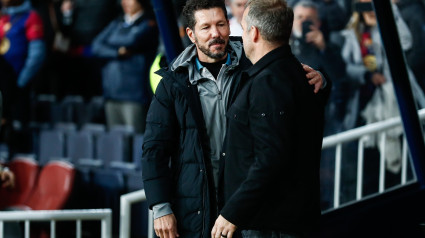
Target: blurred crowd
{"points": [[107, 48]]}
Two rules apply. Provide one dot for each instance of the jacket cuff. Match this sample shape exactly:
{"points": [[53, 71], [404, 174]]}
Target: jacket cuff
{"points": [[162, 209]]}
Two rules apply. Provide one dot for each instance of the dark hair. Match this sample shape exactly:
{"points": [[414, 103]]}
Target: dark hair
{"points": [[273, 18], [195, 5]]}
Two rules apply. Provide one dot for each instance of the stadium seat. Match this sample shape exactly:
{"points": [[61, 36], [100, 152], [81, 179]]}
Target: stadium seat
{"points": [[110, 147], [72, 109], [66, 127], [51, 146], [53, 186], [95, 110], [137, 150], [79, 145], [26, 170], [94, 128]]}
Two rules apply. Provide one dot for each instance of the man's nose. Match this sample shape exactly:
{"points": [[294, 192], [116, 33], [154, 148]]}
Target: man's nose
{"points": [[215, 32]]}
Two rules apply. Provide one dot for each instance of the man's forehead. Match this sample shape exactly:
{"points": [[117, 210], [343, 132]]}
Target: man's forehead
{"points": [[304, 9], [215, 13], [240, 2]]}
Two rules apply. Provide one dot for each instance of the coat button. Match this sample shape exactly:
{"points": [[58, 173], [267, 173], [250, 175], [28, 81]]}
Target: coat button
{"points": [[234, 116], [263, 114], [224, 154], [199, 212], [281, 113], [201, 170]]}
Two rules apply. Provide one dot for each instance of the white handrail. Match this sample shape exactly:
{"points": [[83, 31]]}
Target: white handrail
{"points": [[335, 141], [331, 141], [125, 210], [59, 215]]}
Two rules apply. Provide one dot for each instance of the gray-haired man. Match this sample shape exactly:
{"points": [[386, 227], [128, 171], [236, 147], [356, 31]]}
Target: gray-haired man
{"points": [[274, 136]]}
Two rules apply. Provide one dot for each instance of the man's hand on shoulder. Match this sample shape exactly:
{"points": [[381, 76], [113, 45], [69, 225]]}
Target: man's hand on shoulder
{"points": [[166, 226], [223, 228], [314, 77]]}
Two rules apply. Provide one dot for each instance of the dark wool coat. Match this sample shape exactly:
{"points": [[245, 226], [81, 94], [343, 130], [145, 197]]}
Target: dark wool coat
{"points": [[273, 148]]}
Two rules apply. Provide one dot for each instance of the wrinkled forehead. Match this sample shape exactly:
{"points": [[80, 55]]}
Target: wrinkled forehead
{"points": [[211, 15]]}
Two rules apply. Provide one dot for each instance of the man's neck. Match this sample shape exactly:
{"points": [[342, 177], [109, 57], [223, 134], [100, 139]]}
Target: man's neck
{"points": [[262, 49]]}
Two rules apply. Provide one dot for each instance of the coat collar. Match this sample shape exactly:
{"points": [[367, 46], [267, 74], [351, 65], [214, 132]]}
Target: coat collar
{"points": [[280, 52]]}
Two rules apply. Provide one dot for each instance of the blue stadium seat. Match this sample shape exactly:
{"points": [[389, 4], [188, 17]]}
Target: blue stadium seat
{"points": [[51, 146], [94, 128], [111, 147], [137, 150], [95, 110], [126, 132], [80, 146], [65, 127], [72, 109]]}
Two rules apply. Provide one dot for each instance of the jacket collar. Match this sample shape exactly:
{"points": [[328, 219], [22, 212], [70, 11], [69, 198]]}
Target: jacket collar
{"points": [[280, 52], [199, 66], [130, 20], [187, 59]]}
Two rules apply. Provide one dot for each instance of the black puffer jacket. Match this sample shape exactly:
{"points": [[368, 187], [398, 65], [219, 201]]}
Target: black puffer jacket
{"points": [[176, 164], [175, 128]]}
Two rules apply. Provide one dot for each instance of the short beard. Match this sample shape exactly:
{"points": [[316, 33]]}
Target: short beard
{"points": [[207, 51]]}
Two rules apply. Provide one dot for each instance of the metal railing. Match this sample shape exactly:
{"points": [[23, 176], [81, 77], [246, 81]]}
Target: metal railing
{"points": [[359, 134], [126, 201], [328, 142], [104, 215]]}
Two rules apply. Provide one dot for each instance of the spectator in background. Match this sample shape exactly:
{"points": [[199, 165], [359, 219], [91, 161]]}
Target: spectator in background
{"points": [[413, 13], [332, 16], [81, 21], [311, 47], [23, 52], [372, 96], [128, 46], [237, 7]]}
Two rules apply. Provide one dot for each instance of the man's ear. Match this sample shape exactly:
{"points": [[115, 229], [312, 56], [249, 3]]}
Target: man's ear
{"points": [[190, 34], [255, 34]]}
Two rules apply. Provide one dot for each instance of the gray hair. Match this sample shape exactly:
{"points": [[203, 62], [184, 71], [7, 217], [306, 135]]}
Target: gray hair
{"points": [[307, 4], [272, 18]]}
